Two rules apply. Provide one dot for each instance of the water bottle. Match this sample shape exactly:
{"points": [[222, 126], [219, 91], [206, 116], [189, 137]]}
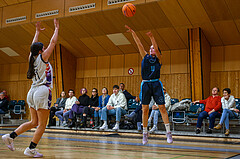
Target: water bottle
{"points": [[91, 121]]}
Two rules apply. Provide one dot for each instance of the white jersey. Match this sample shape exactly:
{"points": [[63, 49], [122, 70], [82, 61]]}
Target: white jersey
{"points": [[43, 73]]}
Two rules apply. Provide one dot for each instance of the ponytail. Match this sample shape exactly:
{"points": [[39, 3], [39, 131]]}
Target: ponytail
{"points": [[35, 48]]}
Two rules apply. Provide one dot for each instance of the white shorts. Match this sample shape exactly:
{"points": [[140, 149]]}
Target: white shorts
{"points": [[39, 97]]}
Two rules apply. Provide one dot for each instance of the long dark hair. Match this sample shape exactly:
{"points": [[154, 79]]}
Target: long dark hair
{"points": [[35, 48]]}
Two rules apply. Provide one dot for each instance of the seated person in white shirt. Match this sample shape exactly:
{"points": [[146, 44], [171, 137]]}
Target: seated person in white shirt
{"points": [[117, 105], [229, 109], [63, 115]]}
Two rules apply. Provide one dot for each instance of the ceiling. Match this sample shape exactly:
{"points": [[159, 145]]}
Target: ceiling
{"points": [[85, 35], [4, 3]]}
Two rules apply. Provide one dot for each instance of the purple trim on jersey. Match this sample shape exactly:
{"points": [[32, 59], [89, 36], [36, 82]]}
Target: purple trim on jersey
{"points": [[49, 98], [48, 73]]}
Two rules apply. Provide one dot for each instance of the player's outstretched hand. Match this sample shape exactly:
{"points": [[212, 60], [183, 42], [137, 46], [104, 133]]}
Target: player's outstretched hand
{"points": [[38, 27], [56, 23], [149, 34], [129, 29]]}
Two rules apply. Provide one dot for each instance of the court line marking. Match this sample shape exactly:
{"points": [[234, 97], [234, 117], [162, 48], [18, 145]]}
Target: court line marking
{"points": [[140, 144]]}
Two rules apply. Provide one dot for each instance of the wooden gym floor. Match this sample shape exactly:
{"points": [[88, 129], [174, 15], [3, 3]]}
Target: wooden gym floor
{"points": [[56, 145]]}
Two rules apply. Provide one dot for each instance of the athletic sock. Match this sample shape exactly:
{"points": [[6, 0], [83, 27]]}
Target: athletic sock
{"points": [[105, 122], [145, 130], [13, 135], [167, 126], [32, 145]]}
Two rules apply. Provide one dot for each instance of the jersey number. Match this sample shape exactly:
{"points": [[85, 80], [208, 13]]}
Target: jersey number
{"points": [[36, 74]]}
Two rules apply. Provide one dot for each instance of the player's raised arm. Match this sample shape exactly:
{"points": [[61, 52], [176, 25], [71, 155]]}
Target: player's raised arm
{"points": [[137, 41], [38, 30], [47, 53], [156, 48]]}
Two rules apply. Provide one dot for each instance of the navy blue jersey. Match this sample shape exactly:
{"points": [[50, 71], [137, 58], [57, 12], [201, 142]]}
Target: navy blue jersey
{"points": [[150, 67]]}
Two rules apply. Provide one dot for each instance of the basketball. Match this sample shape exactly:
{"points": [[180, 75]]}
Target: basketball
{"points": [[129, 9]]}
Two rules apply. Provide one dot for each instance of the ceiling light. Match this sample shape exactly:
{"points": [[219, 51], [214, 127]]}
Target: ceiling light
{"points": [[9, 51], [118, 39]]}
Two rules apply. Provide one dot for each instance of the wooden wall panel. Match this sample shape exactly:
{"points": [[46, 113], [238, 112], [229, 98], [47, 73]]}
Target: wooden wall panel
{"points": [[225, 79], [23, 71], [131, 61], [78, 87], [166, 62], [117, 65], [80, 67], [14, 11], [177, 85], [195, 63], [225, 58], [206, 65], [217, 58], [14, 72], [232, 58], [69, 63], [90, 67], [73, 3], [5, 76], [179, 61], [103, 66], [0, 17], [39, 6]]}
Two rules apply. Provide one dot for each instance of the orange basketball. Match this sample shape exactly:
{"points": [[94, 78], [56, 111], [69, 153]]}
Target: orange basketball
{"points": [[129, 9]]}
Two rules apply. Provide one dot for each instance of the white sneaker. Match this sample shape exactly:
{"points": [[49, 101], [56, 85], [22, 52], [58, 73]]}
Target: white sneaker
{"points": [[116, 127], [104, 127], [154, 128], [8, 141], [32, 153], [64, 124]]}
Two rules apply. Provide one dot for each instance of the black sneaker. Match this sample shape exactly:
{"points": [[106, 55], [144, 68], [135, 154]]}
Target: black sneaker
{"points": [[198, 131], [209, 131], [72, 125]]}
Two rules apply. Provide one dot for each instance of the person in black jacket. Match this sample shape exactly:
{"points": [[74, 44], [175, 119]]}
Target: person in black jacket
{"points": [[93, 103], [3, 104], [83, 101], [59, 105], [126, 93]]}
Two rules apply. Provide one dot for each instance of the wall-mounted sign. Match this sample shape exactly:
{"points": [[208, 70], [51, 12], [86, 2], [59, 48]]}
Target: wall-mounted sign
{"points": [[130, 71]]}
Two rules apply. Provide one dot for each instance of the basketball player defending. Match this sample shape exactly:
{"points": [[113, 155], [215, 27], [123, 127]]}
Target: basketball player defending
{"points": [[39, 96], [151, 86]]}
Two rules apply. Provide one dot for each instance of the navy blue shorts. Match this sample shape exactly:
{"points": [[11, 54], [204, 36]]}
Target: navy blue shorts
{"points": [[152, 89]]}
